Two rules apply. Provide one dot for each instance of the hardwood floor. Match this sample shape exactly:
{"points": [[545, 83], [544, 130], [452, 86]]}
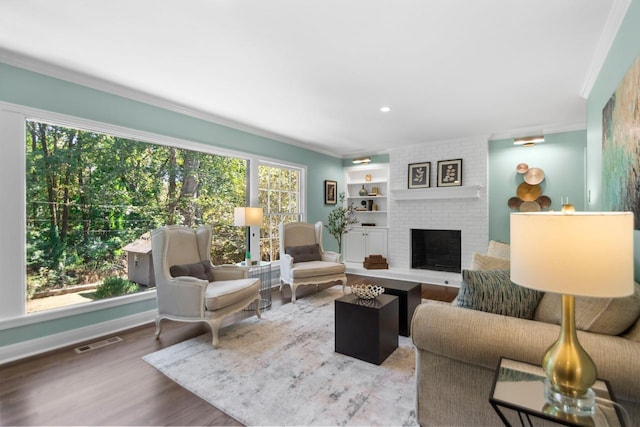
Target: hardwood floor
{"points": [[114, 386]]}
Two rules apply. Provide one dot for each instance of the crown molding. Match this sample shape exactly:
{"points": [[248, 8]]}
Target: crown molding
{"points": [[39, 66], [608, 35]]}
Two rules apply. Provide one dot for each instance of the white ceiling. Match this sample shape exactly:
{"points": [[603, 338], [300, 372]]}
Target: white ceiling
{"points": [[316, 72]]}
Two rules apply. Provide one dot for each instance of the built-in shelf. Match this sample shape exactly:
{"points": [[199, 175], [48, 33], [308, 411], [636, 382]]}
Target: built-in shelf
{"points": [[463, 192]]}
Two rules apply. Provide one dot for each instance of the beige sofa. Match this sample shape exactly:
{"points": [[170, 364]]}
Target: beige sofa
{"points": [[458, 350]]}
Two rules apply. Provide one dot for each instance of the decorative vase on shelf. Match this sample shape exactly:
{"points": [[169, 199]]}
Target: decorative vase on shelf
{"points": [[363, 191]]}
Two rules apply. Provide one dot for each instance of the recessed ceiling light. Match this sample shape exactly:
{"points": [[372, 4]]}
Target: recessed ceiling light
{"points": [[385, 109]]}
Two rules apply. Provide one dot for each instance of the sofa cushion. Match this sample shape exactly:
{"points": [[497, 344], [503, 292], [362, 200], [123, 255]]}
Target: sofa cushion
{"points": [[609, 316], [199, 270], [304, 253], [499, 250], [485, 262], [224, 293], [494, 292], [302, 270]]}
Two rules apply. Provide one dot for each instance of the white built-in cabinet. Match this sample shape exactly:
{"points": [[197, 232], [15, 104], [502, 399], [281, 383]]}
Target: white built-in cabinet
{"points": [[369, 235]]}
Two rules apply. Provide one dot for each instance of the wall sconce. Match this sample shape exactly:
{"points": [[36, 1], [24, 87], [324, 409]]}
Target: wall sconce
{"points": [[362, 160], [528, 141]]}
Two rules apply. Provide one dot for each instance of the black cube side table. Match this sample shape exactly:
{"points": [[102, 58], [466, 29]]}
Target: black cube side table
{"points": [[366, 329], [410, 297]]}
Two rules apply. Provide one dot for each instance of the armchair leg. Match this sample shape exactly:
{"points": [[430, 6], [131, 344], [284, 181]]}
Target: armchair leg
{"points": [[293, 294], [258, 313], [158, 326], [215, 327], [344, 285]]}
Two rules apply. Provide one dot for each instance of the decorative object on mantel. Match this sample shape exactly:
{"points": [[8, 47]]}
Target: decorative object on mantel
{"points": [[450, 173], [566, 206], [363, 192], [419, 175], [367, 291], [529, 196], [375, 262]]}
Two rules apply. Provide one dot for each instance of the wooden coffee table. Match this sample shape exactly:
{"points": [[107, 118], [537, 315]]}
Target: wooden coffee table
{"points": [[366, 329]]}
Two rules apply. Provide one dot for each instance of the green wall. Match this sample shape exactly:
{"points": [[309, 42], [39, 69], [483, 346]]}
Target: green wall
{"points": [[23, 87], [624, 50], [561, 157]]}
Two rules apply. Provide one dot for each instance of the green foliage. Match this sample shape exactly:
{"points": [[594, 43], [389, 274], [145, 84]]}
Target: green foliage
{"points": [[339, 221], [114, 286], [90, 194]]}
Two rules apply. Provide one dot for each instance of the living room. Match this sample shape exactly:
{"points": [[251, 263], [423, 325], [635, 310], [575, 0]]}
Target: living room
{"points": [[571, 159]]}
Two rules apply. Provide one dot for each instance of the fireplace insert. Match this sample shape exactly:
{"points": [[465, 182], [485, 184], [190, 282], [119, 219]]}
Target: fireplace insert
{"points": [[438, 250]]}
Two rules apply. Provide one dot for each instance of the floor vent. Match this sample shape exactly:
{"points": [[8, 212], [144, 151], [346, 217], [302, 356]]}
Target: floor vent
{"points": [[98, 344]]}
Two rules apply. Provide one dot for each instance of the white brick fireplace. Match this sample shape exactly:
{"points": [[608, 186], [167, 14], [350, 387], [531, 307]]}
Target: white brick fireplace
{"points": [[446, 208]]}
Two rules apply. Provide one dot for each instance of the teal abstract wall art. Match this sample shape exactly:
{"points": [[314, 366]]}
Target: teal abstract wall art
{"points": [[621, 146]]}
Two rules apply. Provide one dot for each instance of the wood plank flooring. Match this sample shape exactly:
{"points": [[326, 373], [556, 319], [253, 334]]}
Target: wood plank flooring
{"points": [[114, 386]]}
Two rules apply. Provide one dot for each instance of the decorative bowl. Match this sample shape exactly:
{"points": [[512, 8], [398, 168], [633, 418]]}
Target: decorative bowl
{"points": [[367, 291]]}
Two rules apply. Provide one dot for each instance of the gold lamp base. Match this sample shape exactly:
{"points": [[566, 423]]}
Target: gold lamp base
{"points": [[570, 371]]}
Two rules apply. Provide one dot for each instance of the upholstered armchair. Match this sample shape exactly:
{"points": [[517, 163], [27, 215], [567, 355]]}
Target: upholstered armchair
{"points": [[302, 259], [191, 289]]}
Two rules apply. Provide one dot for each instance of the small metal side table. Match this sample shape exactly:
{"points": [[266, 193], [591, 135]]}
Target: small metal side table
{"points": [[517, 396], [262, 271]]}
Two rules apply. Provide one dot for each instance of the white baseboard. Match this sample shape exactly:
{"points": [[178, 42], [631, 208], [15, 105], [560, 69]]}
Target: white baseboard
{"points": [[52, 342]]}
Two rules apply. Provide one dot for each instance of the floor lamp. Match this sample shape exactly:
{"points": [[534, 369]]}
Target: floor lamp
{"points": [[572, 254], [247, 217]]}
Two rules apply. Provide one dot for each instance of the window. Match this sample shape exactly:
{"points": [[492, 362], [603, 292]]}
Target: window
{"points": [[90, 194], [279, 196]]}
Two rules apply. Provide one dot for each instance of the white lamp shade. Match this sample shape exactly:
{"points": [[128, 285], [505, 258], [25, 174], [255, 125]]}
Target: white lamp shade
{"points": [[247, 216], [580, 254]]}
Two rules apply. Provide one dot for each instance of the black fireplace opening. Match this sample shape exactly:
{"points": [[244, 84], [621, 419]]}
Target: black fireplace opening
{"points": [[438, 250]]}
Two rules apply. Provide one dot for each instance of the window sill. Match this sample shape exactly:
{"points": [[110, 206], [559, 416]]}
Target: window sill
{"points": [[73, 310]]}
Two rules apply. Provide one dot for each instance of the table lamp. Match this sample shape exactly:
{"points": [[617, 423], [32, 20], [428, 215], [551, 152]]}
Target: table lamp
{"points": [[572, 254], [247, 217]]}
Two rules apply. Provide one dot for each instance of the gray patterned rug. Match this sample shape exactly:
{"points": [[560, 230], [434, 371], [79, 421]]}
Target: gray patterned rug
{"points": [[283, 370]]}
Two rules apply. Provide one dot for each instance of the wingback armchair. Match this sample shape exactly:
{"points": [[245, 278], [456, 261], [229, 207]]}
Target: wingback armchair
{"points": [[191, 289], [303, 261]]}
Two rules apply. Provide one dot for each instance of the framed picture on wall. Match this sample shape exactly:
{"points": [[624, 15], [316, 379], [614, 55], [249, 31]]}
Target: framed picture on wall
{"points": [[419, 174], [450, 173], [330, 192]]}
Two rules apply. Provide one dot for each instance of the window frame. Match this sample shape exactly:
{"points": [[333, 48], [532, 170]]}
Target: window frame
{"points": [[13, 307], [302, 170]]}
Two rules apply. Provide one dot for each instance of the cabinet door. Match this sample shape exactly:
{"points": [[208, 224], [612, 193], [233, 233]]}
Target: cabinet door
{"points": [[354, 245], [376, 242]]}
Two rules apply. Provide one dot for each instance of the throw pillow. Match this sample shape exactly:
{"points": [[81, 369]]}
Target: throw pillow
{"points": [[485, 262], [199, 270], [304, 253], [494, 292], [499, 250], [608, 316]]}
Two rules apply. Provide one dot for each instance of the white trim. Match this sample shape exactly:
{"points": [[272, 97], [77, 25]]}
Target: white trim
{"points": [[52, 342], [42, 67], [74, 310], [119, 131], [608, 35]]}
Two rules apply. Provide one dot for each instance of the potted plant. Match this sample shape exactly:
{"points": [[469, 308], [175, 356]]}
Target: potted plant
{"points": [[339, 221]]}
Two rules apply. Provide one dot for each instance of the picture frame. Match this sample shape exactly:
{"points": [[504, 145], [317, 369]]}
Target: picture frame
{"points": [[450, 173], [419, 175], [330, 192]]}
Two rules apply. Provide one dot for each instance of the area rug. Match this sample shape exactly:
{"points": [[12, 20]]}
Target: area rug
{"points": [[283, 370]]}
